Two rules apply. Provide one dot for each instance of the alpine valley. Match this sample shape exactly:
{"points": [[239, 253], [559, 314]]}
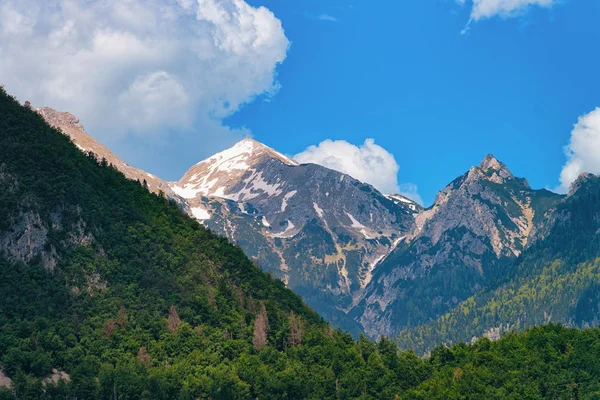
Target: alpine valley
{"points": [[379, 263]]}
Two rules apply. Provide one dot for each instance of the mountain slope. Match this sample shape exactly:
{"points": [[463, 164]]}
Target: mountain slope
{"points": [[72, 127], [320, 231], [556, 279], [94, 268], [477, 226]]}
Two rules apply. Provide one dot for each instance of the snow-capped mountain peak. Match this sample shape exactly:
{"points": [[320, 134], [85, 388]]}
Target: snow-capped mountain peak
{"points": [[237, 156], [233, 173]]}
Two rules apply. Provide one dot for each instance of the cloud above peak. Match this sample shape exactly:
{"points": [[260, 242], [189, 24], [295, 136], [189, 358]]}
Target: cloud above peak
{"points": [[141, 67], [583, 150], [368, 163]]}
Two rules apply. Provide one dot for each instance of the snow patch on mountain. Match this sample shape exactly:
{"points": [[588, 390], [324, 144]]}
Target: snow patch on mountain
{"points": [[255, 186], [399, 199], [235, 157], [318, 209], [285, 199], [190, 191], [287, 233], [365, 234], [355, 223], [200, 213]]}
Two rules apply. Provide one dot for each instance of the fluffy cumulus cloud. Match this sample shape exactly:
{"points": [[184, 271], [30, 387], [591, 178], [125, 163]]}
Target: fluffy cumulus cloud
{"points": [[583, 151], [368, 163], [141, 67]]}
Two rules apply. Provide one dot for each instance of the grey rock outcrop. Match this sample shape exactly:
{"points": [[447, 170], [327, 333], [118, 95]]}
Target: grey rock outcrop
{"points": [[5, 381], [476, 226]]}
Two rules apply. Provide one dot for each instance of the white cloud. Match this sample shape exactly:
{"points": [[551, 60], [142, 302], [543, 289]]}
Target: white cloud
{"points": [[583, 151], [368, 163], [327, 17], [504, 8], [141, 67], [484, 9]]}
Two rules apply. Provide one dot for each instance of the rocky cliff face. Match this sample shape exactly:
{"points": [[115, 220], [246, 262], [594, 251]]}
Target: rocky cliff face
{"points": [[478, 224], [320, 231], [24, 234]]}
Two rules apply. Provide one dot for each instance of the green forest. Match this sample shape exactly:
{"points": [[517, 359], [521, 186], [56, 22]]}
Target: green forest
{"points": [[119, 289]]}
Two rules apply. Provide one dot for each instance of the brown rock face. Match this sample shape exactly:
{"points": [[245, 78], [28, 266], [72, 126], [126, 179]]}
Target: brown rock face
{"points": [[581, 179], [72, 127], [5, 381]]}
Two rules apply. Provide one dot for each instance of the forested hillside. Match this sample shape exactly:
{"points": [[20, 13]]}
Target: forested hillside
{"points": [[111, 292]]}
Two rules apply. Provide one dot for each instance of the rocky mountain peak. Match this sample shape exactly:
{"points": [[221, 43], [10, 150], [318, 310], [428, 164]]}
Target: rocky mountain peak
{"points": [[59, 118], [237, 165], [579, 182], [248, 150], [490, 169], [471, 202], [490, 162], [479, 223]]}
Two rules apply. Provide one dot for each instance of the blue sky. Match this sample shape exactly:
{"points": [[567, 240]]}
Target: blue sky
{"points": [[166, 83], [401, 72]]}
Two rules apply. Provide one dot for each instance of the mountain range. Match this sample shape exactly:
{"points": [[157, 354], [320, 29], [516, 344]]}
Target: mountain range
{"points": [[369, 262], [112, 291]]}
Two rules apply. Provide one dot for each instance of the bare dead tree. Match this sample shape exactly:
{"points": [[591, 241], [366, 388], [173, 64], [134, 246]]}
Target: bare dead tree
{"points": [[122, 317], [261, 328], [329, 331], [173, 322], [295, 330], [238, 294], [109, 328], [144, 356]]}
